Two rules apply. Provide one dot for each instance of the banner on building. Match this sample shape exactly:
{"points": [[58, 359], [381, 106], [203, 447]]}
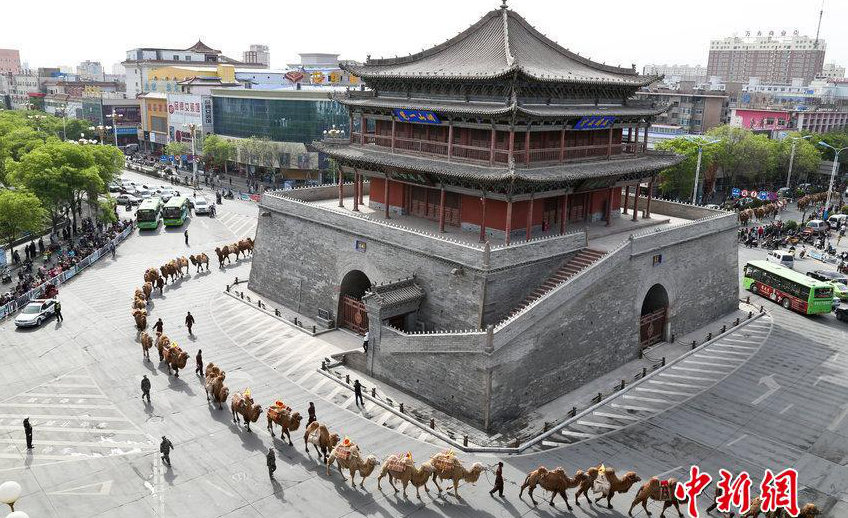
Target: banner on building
{"points": [[595, 122], [422, 116]]}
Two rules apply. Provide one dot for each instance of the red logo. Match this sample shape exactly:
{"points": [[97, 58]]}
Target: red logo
{"points": [[692, 488], [294, 76]]}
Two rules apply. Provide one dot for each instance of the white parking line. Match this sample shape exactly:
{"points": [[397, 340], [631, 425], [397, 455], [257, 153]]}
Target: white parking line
{"points": [[708, 364], [617, 416], [705, 371], [662, 391], [674, 384], [648, 399], [722, 358], [636, 408], [598, 425], [686, 377]]}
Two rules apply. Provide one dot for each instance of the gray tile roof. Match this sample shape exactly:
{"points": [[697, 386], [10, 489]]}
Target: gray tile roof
{"points": [[501, 43], [397, 293], [363, 156]]}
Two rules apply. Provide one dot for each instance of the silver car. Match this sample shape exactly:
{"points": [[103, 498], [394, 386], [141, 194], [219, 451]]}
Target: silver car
{"points": [[36, 312], [201, 206]]}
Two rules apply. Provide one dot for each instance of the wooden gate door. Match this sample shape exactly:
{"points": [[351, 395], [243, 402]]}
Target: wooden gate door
{"points": [[354, 314], [652, 327]]}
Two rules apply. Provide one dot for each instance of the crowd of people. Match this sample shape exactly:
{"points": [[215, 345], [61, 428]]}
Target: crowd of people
{"points": [[59, 256]]}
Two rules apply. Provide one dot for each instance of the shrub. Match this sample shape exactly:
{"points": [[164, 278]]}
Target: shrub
{"points": [[790, 224], [845, 209]]}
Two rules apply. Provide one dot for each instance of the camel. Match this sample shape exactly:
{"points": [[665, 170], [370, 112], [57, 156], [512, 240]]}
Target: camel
{"points": [[175, 358], [181, 262], [140, 316], [242, 404], [404, 470], [223, 253], [139, 294], [139, 303], [169, 270], [282, 415], [616, 485], [199, 260], [661, 491], [586, 485], [146, 344], [246, 246], [448, 467], [147, 288], [556, 481], [755, 509], [346, 455], [214, 385], [319, 436], [162, 342], [151, 274]]}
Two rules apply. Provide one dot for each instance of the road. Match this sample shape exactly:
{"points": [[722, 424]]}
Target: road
{"points": [[96, 443]]}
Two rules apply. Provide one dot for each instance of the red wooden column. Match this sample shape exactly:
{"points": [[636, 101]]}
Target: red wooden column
{"points": [[355, 190], [341, 188], [510, 158], [609, 144], [492, 147], [645, 149], [361, 188], [636, 202], [529, 231], [626, 200], [442, 210], [527, 146], [483, 218], [393, 139], [508, 220], [362, 127], [386, 191], [450, 141], [562, 144], [630, 134], [609, 206], [650, 195], [563, 220], [350, 128]]}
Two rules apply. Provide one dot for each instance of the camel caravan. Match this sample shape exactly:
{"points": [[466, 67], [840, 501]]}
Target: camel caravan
{"points": [[282, 416], [346, 455], [769, 210], [243, 247], [216, 391], [243, 407], [402, 468]]}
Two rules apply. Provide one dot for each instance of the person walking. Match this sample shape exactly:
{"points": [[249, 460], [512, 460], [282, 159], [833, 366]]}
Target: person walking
{"points": [[26, 251], [145, 388], [189, 321], [311, 412], [714, 505], [499, 481], [58, 310], [165, 448], [112, 248], [199, 359], [158, 326], [186, 236], [357, 393], [41, 245], [28, 433], [16, 257], [365, 342], [271, 462]]}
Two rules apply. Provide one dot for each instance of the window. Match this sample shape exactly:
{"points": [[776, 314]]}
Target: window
{"points": [[176, 57]]}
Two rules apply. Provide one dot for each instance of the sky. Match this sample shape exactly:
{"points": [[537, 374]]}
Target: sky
{"points": [[612, 31]]}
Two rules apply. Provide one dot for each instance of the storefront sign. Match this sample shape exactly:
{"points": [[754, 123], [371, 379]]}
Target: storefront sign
{"points": [[657, 260], [360, 246], [294, 76], [595, 122], [423, 116]]}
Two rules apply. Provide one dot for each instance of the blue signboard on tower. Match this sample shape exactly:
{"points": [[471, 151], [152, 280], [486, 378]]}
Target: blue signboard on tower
{"points": [[595, 122], [422, 116]]}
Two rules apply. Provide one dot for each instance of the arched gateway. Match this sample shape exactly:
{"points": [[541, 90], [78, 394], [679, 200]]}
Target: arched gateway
{"points": [[352, 313], [653, 316]]}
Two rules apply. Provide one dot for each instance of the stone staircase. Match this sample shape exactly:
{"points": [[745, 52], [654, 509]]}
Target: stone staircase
{"points": [[584, 258]]}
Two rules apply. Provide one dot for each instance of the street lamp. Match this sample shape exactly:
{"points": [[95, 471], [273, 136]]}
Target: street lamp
{"points": [[82, 140], [700, 143], [334, 132], [64, 117], [792, 156], [101, 130], [833, 171], [37, 119], [192, 127], [9, 493], [115, 118]]}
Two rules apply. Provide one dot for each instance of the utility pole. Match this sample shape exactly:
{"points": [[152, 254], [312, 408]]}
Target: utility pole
{"points": [[792, 156]]}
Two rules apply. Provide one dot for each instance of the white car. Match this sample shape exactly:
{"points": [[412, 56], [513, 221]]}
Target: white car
{"points": [[36, 312], [201, 206], [782, 258], [123, 199]]}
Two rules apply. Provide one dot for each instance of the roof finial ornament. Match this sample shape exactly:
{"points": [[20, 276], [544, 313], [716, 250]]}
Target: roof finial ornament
{"points": [[503, 4]]}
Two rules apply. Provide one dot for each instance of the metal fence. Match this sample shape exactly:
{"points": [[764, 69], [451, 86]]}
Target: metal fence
{"points": [[13, 306]]}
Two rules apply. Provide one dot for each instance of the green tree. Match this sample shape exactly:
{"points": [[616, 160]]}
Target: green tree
{"points": [[106, 212], [20, 211], [837, 139], [678, 181], [807, 157], [218, 151]]}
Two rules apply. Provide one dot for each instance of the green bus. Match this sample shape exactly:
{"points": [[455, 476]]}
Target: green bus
{"points": [[149, 213], [175, 212], [787, 287]]}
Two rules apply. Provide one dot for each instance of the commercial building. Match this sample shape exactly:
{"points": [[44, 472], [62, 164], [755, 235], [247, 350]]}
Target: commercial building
{"points": [[141, 61], [153, 134], [694, 73], [91, 71], [10, 61], [167, 79], [18, 89], [319, 69], [189, 112], [115, 110], [774, 59], [778, 122], [696, 113], [257, 57], [832, 71], [504, 250]]}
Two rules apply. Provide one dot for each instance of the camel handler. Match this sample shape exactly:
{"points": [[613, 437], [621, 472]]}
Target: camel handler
{"points": [[311, 412], [158, 326], [145, 388], [189, 321], [499, 481], [271, 461], [199, 359], [165, 448]]}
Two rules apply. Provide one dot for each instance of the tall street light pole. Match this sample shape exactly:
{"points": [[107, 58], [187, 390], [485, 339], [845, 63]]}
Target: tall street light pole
{"points": [[192, 127], [700, 143], [115, 118], [792, 156], [833, 170]]}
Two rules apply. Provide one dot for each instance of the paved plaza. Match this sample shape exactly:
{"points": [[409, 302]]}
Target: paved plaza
{"points": [[781, 404]]}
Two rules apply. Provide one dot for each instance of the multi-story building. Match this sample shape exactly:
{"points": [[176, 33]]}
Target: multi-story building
{"points": [[320, 69], [153, 134], [485, 170], [121, 114], [10, 61], [187, 112], [832, 71], [694, 112], [167, 79], [91, 70], [141, 61], [774, 59], [694, 73], [777, 122], [19, 89], [257, 57]]}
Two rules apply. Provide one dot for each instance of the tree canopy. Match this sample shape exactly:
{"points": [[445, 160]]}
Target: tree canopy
{"points": [[20, 212], [218, 151]]}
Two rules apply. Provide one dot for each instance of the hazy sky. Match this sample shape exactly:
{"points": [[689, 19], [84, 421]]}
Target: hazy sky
{"points": [[611, 31]]}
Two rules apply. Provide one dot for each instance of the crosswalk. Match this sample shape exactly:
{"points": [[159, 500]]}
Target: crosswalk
{"points": [[239, 224], [72, 419], [674, 385]]}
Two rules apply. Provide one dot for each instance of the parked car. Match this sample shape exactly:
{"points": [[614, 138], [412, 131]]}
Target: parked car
{"points": [[125, 198], [143, 193], [36, 312], [806, 187], [841, 219], [817, 227], [838, 280], [201, 205], [712, 206], [842, 313], [780, 257], [784, 192]]}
